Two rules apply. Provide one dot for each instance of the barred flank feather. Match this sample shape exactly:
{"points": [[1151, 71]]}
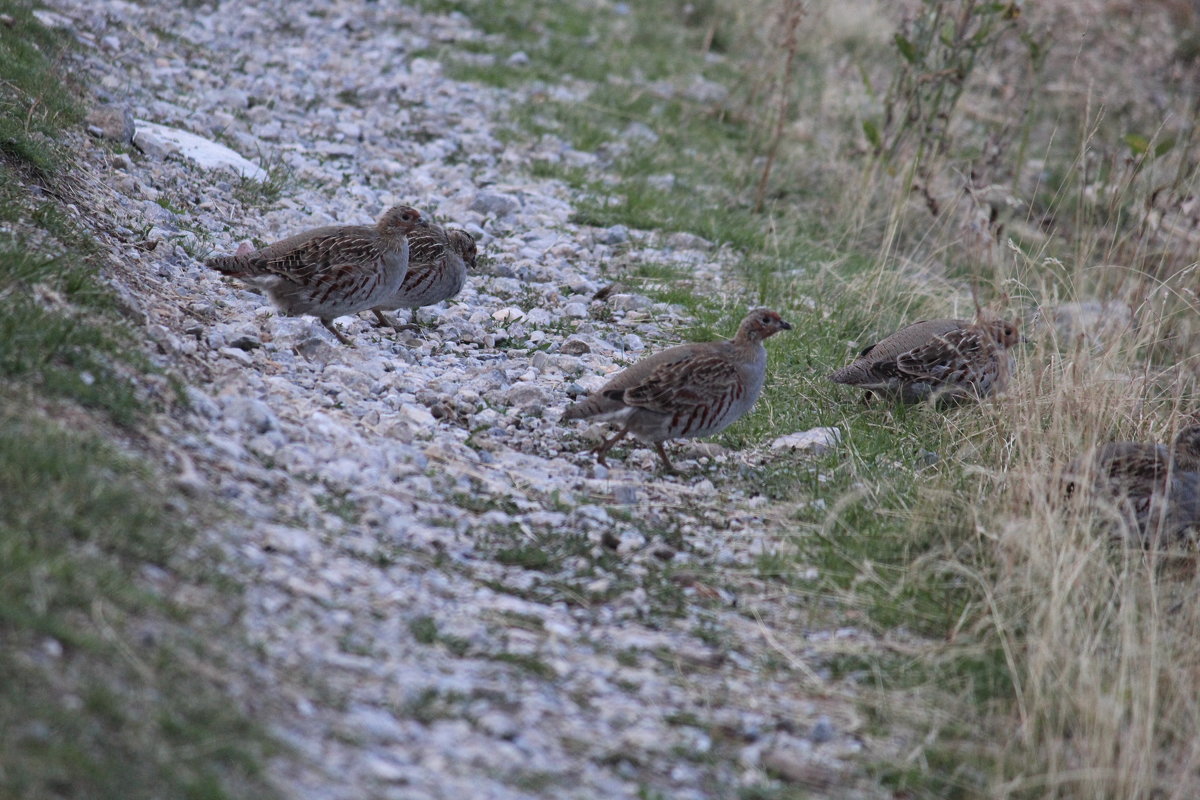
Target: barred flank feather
{"points": [[437, 269]]}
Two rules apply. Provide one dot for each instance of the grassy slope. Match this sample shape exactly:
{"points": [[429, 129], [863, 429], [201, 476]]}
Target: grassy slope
{"points": [[933, 522], [103, 694]]}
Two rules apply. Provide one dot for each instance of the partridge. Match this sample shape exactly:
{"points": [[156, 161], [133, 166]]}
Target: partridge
{"points": [[685, 391], [331, 271], [939, 358], [438, 261], [1156, 487]]}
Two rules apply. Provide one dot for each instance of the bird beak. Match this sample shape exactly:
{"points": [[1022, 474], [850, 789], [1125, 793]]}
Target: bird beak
{"points": [[787, 326]]}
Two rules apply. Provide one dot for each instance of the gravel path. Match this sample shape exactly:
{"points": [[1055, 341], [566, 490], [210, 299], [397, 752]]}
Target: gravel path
{"points": [[448, 597]]}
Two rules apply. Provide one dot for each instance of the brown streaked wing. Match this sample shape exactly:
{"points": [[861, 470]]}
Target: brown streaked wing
{"points": [[682, 384], [945, 353], [1133, 461], [316, 257], [417, 281], [426, 245], [911, 336], [344, 280]]}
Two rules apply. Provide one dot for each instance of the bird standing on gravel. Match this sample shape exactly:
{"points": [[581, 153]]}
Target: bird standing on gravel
{"points": [[685, 391], [331, 271], [1157, 488], [939, 358], [438, 261]]}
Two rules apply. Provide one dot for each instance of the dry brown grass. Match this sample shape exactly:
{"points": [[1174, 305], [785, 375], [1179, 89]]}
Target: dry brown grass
{"points": [[1064, 171]]}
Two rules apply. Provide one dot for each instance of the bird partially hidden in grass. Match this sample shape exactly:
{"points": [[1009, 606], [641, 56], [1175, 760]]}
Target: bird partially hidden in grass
{"points": [[438, 262], [1155, 487], [331, 271], [685, 391], [940, 359]]}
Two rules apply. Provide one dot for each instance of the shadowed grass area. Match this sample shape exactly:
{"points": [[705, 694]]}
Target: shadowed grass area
{"points": [[102, 696], [61, 349], [34, 101]]}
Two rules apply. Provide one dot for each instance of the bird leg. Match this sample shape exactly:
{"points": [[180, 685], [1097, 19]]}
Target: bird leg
{"points": [[328, 323], [384, 322], [667, 465], [601, 449], [396, 326]]}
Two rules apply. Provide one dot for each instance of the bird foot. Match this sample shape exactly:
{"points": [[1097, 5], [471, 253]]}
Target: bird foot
{"points": [[330, 327], [667, 466], [382, 321]]}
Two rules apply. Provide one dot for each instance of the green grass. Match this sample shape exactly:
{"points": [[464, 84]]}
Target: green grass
{"points": [[101, 696], [62, 351], [569, 40], [35, 102]]}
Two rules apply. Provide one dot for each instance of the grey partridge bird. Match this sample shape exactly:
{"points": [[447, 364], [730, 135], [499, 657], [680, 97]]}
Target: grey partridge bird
{"points": [[1156, 488], [939, 358], [685, 391], [331, 271], [438, 261]]}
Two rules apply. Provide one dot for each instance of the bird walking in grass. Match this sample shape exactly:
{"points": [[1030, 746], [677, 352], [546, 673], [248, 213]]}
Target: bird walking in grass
{"points": [[686, 391], [936, 358], [1155, 487], [331, 271], [438, 262]]}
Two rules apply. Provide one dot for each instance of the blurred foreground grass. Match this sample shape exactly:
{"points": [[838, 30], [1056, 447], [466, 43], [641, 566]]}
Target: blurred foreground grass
{"points": [[109, 687]]}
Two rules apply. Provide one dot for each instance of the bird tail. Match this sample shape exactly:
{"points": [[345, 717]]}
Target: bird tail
{"points": [[603, 405], [576, 411], [843, 375], [230, 265]]}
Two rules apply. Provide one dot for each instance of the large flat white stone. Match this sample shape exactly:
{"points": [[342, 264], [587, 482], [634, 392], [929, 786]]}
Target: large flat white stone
{"points": [[154, 138]]}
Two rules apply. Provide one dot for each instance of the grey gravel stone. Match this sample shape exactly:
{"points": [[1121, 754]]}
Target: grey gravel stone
{"points": [[574, 347], [630, 302], [617, 234], [625, 494], [822, 730], [1092, 320], [681, 240], [495, 204]]}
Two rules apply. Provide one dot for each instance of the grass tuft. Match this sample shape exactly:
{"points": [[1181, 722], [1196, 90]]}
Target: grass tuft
{"points": [[35, 103]]}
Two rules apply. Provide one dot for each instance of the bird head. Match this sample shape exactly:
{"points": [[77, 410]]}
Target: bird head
{"points": [[762, 323], [401, 220], [1005, 332], [1187, 446], [462, 243]]}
